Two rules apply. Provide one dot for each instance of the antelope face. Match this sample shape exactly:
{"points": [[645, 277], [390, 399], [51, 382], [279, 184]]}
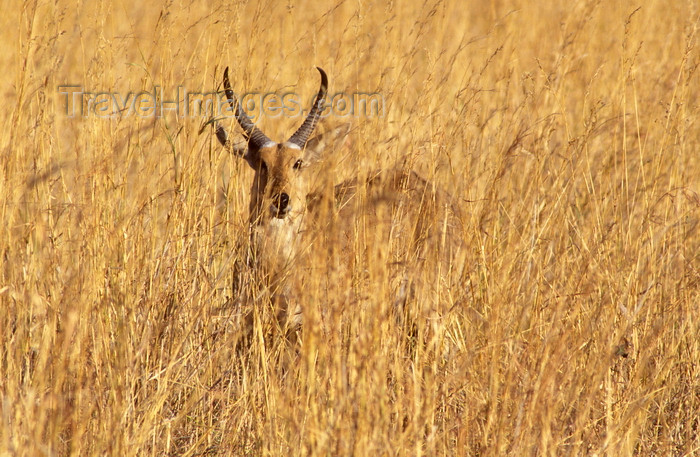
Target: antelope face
{"points": [[279, 186]]}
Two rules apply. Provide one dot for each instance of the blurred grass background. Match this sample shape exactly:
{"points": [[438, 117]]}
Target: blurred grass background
{"points": [[568, 134]]}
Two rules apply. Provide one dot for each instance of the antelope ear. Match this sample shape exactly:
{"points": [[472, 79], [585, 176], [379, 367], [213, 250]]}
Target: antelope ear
{"points": [[241, 150], [316, 145]]}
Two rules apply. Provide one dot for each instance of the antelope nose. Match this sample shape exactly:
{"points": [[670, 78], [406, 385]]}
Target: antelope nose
{"points": [[282, 201]]}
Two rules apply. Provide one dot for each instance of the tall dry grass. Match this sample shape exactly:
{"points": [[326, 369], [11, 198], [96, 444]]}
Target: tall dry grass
{"points": [[568, 134]]}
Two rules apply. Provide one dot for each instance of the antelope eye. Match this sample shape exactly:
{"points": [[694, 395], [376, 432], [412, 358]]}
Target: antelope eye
{"points": [[298, 164]]}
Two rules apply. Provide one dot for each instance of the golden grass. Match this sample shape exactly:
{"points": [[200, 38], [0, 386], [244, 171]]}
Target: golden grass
{"points": [[568, 134]]}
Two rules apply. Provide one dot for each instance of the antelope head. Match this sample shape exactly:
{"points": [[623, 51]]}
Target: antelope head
{"points": [[278, 190]]}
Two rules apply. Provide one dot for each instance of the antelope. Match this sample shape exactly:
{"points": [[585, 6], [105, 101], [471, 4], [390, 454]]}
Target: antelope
{"points": [[284, 206], [277, 195]]}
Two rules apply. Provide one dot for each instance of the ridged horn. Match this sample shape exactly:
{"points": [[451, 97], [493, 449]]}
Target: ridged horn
{"points": [[301, 136], [254, 135]]}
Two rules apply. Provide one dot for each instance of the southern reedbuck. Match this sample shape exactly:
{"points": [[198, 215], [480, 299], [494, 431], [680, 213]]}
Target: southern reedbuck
{"points": [[279, 190], [400, 209]]}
